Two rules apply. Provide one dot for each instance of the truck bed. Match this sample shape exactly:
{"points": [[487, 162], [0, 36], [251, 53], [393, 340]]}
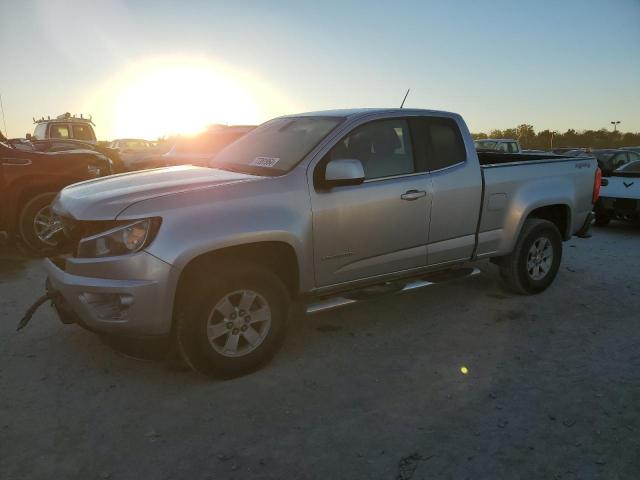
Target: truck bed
{"points": [[497, 158], [519, 183]]}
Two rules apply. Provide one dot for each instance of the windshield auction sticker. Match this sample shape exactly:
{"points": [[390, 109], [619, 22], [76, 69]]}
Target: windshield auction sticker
{"points": [[264, 162]]}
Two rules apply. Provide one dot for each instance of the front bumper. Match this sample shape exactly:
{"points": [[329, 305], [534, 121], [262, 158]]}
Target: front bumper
{"points": [[99, 291]]}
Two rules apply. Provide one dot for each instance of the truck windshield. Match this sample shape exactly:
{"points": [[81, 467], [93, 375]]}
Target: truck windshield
{"points": [[275, 147]]}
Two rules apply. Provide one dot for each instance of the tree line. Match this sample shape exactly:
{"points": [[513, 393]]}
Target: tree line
{"points": [[548, 139]]}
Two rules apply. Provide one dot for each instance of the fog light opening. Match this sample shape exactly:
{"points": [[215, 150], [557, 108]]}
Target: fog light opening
{"points": [[108, 306]]}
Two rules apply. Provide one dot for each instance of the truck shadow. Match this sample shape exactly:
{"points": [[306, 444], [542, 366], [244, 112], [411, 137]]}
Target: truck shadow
{"points": [[12, 262], [618, 228]]}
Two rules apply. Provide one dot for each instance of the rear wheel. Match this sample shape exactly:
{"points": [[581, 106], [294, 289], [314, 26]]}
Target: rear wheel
{"points": [[534, 262], [39, 228], [233, 321]]}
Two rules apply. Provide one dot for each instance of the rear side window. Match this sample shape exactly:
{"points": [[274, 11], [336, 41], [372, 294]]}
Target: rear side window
{"points": [[513, 147], [442, 142], [59, 130]]}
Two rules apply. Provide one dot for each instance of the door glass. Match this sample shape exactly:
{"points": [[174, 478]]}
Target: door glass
{"points": [[383, 147], [59, 130]]}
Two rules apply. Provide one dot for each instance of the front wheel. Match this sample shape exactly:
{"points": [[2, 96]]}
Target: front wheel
{"points": [[233, 321], [535, 260], [40, 229]]}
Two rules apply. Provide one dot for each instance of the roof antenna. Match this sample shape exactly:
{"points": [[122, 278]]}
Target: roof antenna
{"points": [[405, 97]]}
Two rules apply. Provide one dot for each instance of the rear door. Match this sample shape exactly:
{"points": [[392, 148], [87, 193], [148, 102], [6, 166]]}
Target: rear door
{"points": [[380, 226], [457, 189]]}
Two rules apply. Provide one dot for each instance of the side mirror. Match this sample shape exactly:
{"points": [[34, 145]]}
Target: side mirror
{"points": [[344, 171]]}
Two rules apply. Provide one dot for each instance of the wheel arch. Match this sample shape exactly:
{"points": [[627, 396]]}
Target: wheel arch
{"points": [[558, 213], [278, 256], [22, 194]]}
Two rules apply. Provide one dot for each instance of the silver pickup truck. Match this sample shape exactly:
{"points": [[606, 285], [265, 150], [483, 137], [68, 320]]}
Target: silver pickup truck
{"points": [[316, 209]]}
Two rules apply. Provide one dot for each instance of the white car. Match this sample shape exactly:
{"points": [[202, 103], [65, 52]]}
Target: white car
{"points": [[620, 195]]}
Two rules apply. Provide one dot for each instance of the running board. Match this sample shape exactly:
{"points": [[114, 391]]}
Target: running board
{"points": [[337, 302]]}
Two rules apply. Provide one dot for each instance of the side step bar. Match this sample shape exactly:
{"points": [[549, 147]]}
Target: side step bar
{"points": [[436, 278]]}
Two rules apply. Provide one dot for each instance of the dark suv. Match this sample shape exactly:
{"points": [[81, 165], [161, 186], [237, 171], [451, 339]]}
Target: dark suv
{"points": [[30, 180]]}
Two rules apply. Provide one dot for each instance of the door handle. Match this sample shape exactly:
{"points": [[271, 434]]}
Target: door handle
{"points": [[411, 195]]}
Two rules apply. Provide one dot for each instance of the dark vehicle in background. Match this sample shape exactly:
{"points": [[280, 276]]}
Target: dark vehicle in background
{"points": [[137, 153], [65, 127], [565, 150], [609, 159], [631, 149], [620, 195], [199, 150], [30, 180]]}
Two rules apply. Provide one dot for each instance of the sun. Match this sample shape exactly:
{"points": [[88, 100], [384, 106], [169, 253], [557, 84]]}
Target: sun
{"points": [[169, 96], [180, 98]]}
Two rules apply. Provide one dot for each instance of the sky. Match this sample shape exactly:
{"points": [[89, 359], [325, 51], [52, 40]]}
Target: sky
{"points": [[151, 68]]}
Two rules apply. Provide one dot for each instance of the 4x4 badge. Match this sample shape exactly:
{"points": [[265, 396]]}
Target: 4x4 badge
{"points": [[627, 185]]}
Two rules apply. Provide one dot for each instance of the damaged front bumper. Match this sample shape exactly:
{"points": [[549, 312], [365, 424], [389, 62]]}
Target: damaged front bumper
{"points": [[99, 295]]}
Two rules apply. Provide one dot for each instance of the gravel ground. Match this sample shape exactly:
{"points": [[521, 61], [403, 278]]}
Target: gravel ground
{"points": [[371, 391]]}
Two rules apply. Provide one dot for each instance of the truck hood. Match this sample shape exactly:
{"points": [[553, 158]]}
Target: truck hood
{"points": [[105, 198]]}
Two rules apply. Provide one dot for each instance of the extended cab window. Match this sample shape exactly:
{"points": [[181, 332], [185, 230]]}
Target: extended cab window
{"points": [[441, 141], [59, 130], [383, 147]]}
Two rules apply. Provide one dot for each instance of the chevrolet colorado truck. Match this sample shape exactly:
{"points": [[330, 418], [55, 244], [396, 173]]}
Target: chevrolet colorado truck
{"points": [[315, 210]]}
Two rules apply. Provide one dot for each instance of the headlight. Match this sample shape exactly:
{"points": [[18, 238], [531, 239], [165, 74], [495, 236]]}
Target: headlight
{"points": [[130, 237]]}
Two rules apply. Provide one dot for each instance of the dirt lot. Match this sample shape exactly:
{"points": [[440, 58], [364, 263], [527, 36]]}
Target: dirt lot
{"points": [[371, 391]]}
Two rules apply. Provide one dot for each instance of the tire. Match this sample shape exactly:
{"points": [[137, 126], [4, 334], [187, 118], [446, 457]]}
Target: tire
{"points": [[243, 307], [525, 271], [602, 219], [37, 209]]}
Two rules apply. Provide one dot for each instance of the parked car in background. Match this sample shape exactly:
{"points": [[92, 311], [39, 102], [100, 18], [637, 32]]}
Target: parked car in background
{"points": [[320, 209], [506, 145], [60, 145], [620, 195], [199, 150], [137, 153], [632, 149], [30, 180], [566, 150], [609, 159], [66, 127]]}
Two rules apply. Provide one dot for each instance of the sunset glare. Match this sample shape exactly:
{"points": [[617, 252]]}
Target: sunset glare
{"points": [[162, 97]]}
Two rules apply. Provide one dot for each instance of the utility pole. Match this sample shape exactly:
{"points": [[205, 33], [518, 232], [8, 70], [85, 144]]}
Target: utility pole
{"points": [[615, 125], [3, 120], [553, 132]]}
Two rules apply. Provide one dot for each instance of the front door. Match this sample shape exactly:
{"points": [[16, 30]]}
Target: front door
{"points": [[380, 226]]}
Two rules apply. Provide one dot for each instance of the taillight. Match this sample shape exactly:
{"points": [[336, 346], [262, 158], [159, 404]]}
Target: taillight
{"points": [[596, 186]]}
